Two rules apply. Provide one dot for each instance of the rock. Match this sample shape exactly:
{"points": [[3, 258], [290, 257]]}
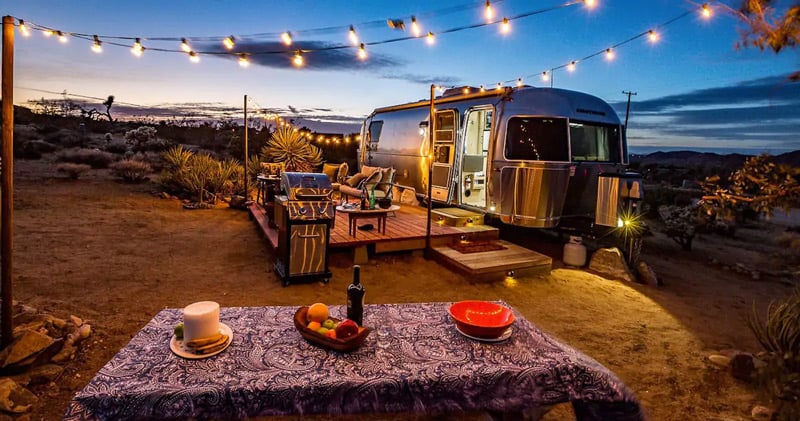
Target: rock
{"points": [[165, 195], [85, 330], [57, 323], [647, 275], [45, 373], [15, 398], [761, 413], [237, 202], [743, 366], [28, 345], [720, 361], [67, 353], [609, 261], [77, 321]]}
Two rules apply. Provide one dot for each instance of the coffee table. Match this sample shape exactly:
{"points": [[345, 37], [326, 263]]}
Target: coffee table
{"points": [[354, 214]]}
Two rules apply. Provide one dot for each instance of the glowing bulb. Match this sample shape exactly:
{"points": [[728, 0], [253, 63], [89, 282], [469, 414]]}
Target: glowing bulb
{"points": [[505, 27], [590, 3], [353, 36], [440, 88], [488, 12], [61, 37], [545, 76], [415, 29], [286, 37], [298, 58], [228, 42], [519, 83], [194, 57], [24, 29], [571, 66], [96, 47], [362, 53], [49, 33], [652, 35], [465, 91], [609, 54], [185, 46], [430, 38], [499, 86], [137, 48], [243, 60], [483, 89], [706, 11]]}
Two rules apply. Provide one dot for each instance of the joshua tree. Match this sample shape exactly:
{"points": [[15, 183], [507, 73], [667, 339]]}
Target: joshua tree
{"points": [[109, 102], [291, 147]]}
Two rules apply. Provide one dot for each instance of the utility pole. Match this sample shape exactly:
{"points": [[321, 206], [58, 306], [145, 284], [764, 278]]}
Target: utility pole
{"points": [[628, 109], [246, 175], [7, 180]]}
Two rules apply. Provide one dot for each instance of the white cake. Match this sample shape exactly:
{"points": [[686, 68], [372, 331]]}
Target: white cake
{"points": [[200, 320]]}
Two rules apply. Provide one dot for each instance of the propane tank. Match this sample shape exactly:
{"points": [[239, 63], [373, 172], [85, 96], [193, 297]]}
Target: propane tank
{"points": [[574, 252]]}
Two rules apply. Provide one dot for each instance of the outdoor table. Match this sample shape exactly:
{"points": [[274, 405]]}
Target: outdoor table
{"points": [[413, 362], [354, 214]]}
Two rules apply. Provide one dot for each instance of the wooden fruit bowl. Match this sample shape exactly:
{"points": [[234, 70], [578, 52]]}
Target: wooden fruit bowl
{"points": [[341, 345]]}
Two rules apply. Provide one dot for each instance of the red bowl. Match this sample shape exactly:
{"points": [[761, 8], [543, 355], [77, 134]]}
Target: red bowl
{"points": [[481, 319]]}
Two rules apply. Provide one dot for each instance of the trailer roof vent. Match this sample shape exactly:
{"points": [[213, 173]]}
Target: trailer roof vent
{"points": [[462, 90]]}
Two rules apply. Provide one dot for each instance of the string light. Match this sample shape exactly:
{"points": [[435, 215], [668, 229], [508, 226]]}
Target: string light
{"points": [[430, 38], [24, 29], [545, 76], [590, 3], [571, 66], [609, 54], [415, 29], [652, 36], [185, 46], [298, 58], [706, 11], [194, 57], [488, 12], [96, 47], [61, 37], [505, 27], [465, 91], [362, 53], [286, 37], [482, 89], [353, 35], [499, 86], [244, 61], [137, 48], [519, 82], [49, 33], [228, 42]]}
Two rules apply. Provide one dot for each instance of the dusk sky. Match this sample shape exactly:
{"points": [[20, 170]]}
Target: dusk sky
{"points": [[694, 88]]}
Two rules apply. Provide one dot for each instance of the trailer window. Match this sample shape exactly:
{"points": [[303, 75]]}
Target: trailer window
{"points": [[594, 142], [375, 131], [537, 139]]}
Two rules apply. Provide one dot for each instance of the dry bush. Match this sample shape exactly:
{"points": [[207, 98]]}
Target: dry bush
{"points": [[131, 170], [116, 147], [74, 171], [93, 157]]}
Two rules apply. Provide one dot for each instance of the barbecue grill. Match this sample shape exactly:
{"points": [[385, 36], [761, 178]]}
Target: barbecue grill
{"points": [[304, 217]]}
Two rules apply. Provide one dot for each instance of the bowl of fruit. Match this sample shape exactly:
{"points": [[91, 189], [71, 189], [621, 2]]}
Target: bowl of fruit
{"points": [[316, 326]]}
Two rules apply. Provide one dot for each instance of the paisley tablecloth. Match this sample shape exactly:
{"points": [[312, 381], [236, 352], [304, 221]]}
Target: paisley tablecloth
{"points": [[413, 361]]}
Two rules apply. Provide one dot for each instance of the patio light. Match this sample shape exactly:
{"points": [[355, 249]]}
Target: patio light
{"points": [[96, 47], [228, 42]]}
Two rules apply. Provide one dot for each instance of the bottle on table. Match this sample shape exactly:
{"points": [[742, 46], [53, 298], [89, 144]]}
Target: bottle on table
{"points": [[355, 297], [372, 200], [363, 198]]}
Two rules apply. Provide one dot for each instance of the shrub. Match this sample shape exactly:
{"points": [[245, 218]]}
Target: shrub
{"points": [[108, 137], [131, 170], [145, 138], [93, 157], [74, 171], [117, 147], [680, 224], [292, 148]]}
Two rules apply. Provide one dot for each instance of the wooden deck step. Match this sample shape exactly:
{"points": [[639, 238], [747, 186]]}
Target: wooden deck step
{"points": [[496, 264], [456, 217], [258, 214]]}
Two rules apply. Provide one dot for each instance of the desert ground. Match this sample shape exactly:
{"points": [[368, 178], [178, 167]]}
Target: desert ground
{"points": [[115, 254]]}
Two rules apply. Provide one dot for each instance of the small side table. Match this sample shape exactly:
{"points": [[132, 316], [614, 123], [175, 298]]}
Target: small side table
{"points": [[354, 214], [268, 188]]}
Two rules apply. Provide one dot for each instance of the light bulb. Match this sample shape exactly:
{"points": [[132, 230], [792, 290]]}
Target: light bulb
{"points": [[228, 42], [415, 29], [519, 83], [706, 11], [505, 27], [185, 46], [286, 37], [49, 33], [362, 53], [571, 66], [430, 38], [545, 76], [96, 45], [483, 89], [465, 91], [488, 12], [244, 61], [590, 3], [24, 29], [298, 58], [137, 48], [609, 54], [499, 86], [353, 35], [61, 37], [194, 57], [652, 35]]}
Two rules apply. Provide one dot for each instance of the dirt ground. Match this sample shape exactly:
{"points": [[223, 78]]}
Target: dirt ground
{"points": [[114, 254]]}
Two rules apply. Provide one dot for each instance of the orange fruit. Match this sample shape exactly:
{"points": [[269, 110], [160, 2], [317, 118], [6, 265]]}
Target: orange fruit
{"points": [[318, 312], [314, 326]]}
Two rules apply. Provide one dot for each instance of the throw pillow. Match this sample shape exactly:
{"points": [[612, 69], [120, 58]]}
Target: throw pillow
{"points": [[355, 181], [371, 181], [343, 170], [332, 171], [387, 178]]}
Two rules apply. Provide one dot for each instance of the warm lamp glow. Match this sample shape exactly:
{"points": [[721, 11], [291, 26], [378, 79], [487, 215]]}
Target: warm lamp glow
{"points": [[652, 35], [353, 36], [194, 57], [415, 29], [24, 29], [430, 38], [298, 58], [362, 53], [571, 66], [706, 11], [482, 89], [286, 37], [488, 12], [505, 27], [96, 45], [137, 48], [519, 83], [61, 37], [465, 90], [228, 42], [185, 46], [590, 3], [609, 54], [49, 33], [545, 76], [244, 61], [499, 86]]}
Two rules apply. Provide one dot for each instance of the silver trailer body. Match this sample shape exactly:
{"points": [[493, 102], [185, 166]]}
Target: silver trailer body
{"points": [[529, 156]]}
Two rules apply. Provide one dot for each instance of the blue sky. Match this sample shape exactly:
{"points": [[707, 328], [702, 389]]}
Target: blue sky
{"points": [[694, 89]]}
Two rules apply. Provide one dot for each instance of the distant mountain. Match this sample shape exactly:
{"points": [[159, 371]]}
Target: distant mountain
{"points": [[706, 160]]}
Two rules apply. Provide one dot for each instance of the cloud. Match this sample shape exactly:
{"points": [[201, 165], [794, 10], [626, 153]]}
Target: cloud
{"points": [[426, 80]]}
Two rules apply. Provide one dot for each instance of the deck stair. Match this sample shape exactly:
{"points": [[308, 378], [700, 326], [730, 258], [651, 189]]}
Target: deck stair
{"points": [[492, 265], [456, 217]]}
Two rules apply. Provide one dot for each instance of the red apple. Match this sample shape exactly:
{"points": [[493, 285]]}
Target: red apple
{"points": [[346, 329]]}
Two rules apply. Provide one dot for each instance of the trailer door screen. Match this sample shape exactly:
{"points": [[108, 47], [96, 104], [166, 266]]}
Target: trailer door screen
{"points": [[537, 139]]}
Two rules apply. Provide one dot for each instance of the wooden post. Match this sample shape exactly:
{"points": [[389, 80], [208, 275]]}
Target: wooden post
{"points": [[431, 125], [246, 175], [7, 185]]}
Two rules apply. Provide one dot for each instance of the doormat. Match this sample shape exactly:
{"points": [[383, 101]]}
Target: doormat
{"points": [[476, 246]]}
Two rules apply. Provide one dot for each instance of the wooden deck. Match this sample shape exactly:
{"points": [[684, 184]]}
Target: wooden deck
{"points": [[492, 265]]}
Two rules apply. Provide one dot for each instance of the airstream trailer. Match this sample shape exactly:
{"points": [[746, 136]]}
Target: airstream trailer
{"points": [[533, 157]]}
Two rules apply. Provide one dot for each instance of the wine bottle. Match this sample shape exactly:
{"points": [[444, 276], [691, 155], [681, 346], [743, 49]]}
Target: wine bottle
{"points": [[355, 297], [363, 198]]}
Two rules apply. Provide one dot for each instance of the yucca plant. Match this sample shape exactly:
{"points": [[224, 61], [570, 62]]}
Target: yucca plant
{"points": [[291, 147], [176, 161], [222, 177], [198, 174], [779, 334]]}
